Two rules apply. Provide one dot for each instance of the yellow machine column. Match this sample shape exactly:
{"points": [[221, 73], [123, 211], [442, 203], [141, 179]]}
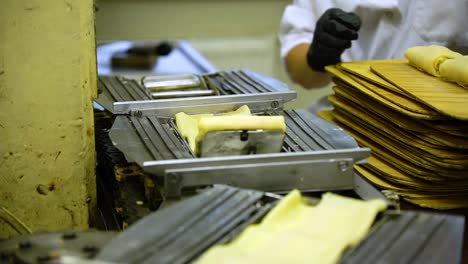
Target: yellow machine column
{"points": [[47, 83]]}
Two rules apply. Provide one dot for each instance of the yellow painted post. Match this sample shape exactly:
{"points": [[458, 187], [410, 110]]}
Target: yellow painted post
{"points": [[47, 83]]}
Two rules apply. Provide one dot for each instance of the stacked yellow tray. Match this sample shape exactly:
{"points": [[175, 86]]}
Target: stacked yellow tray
{"points": [[416, 125]]}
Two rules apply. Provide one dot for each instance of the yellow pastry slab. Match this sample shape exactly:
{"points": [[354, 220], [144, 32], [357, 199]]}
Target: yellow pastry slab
{"points": [[394, 155], [410, 109], [423, 200], [188, 124], [188, 128], [194, 127], [438, 203], [420, 128], [241, 122], [363, 71], [405, 180], [444, 97], [394, 145], [393, 95], [409, 191], [455, 70], [381, 126], [429, 58], [295, 232], [403, 106]]}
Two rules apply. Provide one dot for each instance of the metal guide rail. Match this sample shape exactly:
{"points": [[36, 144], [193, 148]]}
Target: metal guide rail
{"points": [[125, 91], [264, 102], [311, 144]]}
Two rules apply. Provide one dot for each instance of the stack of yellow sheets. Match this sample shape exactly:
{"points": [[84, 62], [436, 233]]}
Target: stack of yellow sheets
{"points": [[416, 125]]}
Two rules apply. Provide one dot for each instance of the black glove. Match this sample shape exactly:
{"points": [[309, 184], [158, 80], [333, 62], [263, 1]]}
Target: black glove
{"points": [[333, 34]]}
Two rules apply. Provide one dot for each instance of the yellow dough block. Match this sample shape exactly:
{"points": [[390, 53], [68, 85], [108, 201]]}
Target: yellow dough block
{"points": [[188, 127], [194, 127], [455, 70], [294, 232], [429, 58]]}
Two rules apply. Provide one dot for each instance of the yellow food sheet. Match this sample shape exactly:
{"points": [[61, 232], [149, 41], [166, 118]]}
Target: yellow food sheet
{"points": [[436, 134], [412, 119], [442, 195], [446, 98], [366, 120], [378, 95], [295, 232], [392, 149], [398, 160], [362, 70]]}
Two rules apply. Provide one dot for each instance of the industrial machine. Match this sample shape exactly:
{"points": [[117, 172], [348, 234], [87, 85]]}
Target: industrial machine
{"points": [[181, 233], [144, 130], [151, 163], [173, 204]]}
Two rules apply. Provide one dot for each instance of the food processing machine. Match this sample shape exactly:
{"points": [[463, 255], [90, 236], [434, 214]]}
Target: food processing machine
{"points": [[175, 204], [145, 131], [181, 233]]}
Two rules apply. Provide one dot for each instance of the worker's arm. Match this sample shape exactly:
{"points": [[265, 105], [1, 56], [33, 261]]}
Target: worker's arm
{"points": [[300, 71], [333, 34]]}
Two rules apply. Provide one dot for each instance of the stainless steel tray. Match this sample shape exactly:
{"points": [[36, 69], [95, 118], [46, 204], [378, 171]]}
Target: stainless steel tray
{"points": [[119, 90]]}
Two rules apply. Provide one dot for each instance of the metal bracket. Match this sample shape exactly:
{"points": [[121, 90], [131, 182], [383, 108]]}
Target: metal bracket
{"points": [[263, 102], [306, 175]]}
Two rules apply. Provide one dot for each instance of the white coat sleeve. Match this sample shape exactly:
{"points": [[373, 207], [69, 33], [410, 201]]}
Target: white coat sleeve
{"points": [[298, 22]]}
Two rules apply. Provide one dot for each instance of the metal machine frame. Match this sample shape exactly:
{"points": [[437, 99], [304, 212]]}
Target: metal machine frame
{"points": [[146, 132]]}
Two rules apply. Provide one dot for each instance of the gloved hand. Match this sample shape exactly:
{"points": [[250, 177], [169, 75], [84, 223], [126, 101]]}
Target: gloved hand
{"points": [[333, 34]]}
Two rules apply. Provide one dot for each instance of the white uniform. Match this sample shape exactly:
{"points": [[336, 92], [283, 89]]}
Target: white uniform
{"points": [[388, 26]]}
